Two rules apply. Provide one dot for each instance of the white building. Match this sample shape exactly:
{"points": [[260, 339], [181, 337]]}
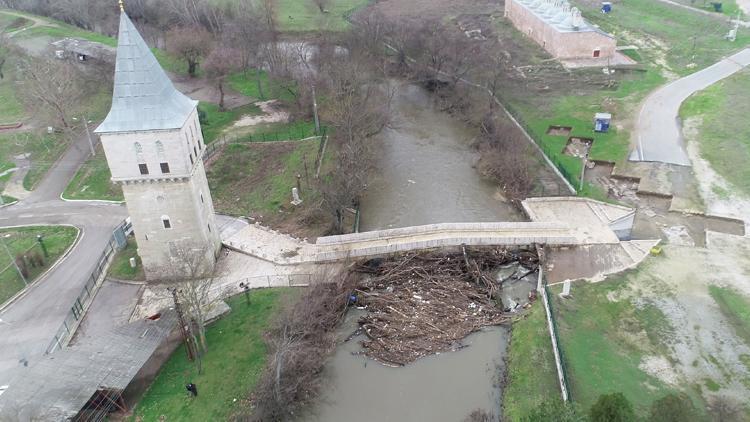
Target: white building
{"points": [[153, 143]]}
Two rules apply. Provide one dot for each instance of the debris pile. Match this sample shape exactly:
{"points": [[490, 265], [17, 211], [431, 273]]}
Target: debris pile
{"points": [[424, 303]]}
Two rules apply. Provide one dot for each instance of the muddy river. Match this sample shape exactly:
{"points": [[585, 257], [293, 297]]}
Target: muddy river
{"points": [[423, 176]]}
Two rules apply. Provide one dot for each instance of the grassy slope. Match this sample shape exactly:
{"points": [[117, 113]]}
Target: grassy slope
{"points": [[724, 133], [258, 178], [231, 367], [304, 15], [667, 25], [531, 376], [736, 308], [603, 343], [92, 181], [57, 239], [120, 267]]}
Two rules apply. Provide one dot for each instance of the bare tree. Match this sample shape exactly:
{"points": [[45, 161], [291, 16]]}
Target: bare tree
{"points": [[196, 291], [191, 44], [300, 340], [220, 63], [53, 85], [507, 157], [357, 108]]}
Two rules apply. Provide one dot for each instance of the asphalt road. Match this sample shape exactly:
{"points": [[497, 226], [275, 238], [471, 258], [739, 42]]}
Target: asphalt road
{"points": [[28, 324], [659, 136]]}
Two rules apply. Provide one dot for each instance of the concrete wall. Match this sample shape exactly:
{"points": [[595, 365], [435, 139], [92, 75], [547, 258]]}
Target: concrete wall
{"points": [[560, 44]]}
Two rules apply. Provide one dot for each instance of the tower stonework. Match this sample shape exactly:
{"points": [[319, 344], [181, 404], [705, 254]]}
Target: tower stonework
{"points": [[153, 143]]}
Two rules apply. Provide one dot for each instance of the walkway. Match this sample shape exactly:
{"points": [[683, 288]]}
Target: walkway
{"points": [[563, 221], [658, 130]]}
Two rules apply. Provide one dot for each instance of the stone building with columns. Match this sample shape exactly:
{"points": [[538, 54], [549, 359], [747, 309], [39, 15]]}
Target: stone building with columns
{"points": [[560, 29], [154, 146]]}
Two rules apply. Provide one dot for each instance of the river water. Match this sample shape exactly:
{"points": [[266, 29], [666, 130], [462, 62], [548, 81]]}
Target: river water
{"points": [[444, 387], [424, 175]]}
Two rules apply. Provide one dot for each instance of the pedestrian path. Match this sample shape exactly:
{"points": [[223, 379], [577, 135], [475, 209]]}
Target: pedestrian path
{"points": [[658, 132]]}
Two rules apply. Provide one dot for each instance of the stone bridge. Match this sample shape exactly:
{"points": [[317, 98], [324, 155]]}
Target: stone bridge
{"points": [[558, 221]]}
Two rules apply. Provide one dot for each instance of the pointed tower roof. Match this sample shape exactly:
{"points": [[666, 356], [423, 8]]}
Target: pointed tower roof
{"points": [[144, 97]]}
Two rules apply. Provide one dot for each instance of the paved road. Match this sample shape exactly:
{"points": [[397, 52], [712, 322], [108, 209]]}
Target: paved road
{"points": [[29, 323], [658, 131]]}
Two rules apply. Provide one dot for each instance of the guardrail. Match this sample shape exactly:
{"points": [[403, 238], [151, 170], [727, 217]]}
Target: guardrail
{"points": [[94, 282]]}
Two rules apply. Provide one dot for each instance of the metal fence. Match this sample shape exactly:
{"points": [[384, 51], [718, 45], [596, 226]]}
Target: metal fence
{"points": [[289, 135], [545, 149], [84, 299], [556, 339]]}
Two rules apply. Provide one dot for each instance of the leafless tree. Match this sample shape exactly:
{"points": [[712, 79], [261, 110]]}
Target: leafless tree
{"points": [[357, 108], [191, 44], [300, 340], [52, 85], [192, 13], [220, 63], [196, 291], [507, 157]]}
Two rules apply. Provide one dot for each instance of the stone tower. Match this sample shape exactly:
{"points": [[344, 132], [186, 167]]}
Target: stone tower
{"points": [[153, 142]]}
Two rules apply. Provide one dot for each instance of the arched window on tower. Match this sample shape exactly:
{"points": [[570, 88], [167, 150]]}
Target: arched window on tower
{"points": [[142, 166], [166, 222], [163, 164]]}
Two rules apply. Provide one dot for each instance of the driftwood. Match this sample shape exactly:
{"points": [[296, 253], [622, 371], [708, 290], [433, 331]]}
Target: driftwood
{"points": [[425, 303]]}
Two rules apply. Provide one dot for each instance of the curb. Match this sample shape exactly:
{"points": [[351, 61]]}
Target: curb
{"points": [[41, 276]]}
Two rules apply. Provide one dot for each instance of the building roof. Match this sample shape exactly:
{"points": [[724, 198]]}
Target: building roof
{"points": [[144, 97], [559, 15], [61, 383]]}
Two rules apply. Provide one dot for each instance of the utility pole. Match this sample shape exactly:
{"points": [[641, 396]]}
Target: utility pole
{"points": [[13, 260], [315, 112], [183, 325], [88, 135]]}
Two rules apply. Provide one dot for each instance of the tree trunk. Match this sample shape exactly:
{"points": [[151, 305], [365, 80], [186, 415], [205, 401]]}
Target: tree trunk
{"points": [[221, 95], [192, 66]]}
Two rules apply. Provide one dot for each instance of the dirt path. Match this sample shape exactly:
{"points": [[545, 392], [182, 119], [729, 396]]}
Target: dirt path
{"points": [[36, 21]]}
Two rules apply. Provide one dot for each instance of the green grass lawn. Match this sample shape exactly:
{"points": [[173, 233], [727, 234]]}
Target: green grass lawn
{"points": [[92, 181], [44, 149], [232, 366], [531, 376], [604, 340], [215, 122], [23, 240], [724, 131], [258, 178], [736, 308], [120, 267], [683, 40], [686, 37], [11, 109], [257, 85], [304, 15]]}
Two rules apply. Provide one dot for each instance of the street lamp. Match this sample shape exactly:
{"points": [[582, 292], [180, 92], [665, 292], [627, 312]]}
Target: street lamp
{"points": [[246, 290]]}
